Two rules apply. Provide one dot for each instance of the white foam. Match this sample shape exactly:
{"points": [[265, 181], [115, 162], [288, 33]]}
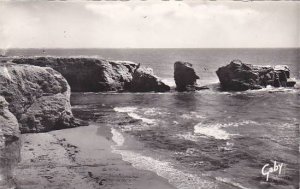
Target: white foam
{"points": [[125, 109], [188, 136], [192, 115], [146, 120], [216, 131], [169, 81], [130, 111], [229, 181], [178, 178], [211, 131], [117, 137]]}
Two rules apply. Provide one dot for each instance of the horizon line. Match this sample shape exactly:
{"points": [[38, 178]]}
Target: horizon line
{"points": [[151, 48]]}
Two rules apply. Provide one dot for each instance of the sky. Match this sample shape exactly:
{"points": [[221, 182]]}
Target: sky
{"points": [[149, 24]]}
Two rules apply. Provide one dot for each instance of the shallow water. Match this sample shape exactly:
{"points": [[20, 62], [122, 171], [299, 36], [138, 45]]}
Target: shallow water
{"points": [[214, 139]]}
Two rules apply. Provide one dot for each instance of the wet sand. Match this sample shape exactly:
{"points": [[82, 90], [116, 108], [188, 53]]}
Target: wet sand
{"points": [[79, 158]]}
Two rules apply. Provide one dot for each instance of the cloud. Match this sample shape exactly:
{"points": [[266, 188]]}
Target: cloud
{"points": [[152, 24]]}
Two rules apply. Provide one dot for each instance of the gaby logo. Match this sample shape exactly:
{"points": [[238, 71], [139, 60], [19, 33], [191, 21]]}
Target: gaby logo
{"points": [[268, 169]]}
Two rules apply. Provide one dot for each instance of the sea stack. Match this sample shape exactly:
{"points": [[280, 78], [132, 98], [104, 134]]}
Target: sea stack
{"points": [[144, 80], [38, 97], [238, 76], [185, 76]]}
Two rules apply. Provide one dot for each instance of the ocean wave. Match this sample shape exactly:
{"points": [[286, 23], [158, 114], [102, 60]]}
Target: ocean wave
{"points": [[192, 115], [145, 120], [188, 136], [131, 112], [125, 109], [229, 181], [165, 169], [170, 82], [215, 130], [211, 131]]}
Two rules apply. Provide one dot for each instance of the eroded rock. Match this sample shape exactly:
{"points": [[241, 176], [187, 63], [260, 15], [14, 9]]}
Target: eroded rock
{"points": [[88, 74], [9, 145], [238, 76], [185, 76], [38, 97], [144, 80]]}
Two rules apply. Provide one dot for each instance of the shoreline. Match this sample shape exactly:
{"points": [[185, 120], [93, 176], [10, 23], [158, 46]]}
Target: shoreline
{"points": [[67, 158]]}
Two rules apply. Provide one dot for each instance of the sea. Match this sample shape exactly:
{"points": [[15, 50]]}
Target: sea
{"points": [[205, 139]]}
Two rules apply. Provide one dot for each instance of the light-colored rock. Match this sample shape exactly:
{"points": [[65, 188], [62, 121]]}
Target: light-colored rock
{"points": [[144, 80], [9, 145], [88, 74], [38, 97]]}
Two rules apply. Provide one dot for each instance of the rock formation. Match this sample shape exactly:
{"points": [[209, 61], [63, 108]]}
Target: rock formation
{"points": [[9, 144], [88, 74], [38, 97], [238, 76], [144, 80], [185, 76]]}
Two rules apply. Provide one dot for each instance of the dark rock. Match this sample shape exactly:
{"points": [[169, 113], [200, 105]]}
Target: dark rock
{"points": [[290, 83], [144, 80], [9, 144], [201, 88], [185, 76], [88, 74], [238, 76], [38, 97]]}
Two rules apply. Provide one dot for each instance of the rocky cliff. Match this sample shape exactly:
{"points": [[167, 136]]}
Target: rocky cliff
{"points": [[38, 97], [92, 74], [9, 145], [238, 76]]}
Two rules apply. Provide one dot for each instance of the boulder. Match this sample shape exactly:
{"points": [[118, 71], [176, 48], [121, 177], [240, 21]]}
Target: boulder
{"points": [[88, 74], [185, 76], [238, 76], [9, 144], [38, 97], [144, 80]]}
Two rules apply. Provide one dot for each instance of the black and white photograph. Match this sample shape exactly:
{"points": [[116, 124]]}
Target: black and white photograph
{"points": [[149, 94]]}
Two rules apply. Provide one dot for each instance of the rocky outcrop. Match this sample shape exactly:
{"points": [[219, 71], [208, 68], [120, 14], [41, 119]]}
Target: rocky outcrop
{"points": [[88, 74], [238, 76], [185, 76], [97, 75], [144, 80], [9, 145], [38, 97]]}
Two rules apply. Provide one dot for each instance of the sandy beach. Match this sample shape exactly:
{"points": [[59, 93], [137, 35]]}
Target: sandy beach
{"points": [[78, 158]]}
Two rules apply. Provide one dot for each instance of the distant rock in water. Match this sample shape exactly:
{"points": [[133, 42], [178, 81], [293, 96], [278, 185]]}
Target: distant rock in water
{"points": [[9, 144], [144, 80], [238, 76], [185, 76], [38, 97]]}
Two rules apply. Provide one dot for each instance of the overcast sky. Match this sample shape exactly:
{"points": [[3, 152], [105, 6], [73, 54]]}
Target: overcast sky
{"points": [[149, 24]]}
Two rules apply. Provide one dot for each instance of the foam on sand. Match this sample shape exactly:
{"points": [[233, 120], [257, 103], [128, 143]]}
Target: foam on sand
{"points": [[178, 178]]}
